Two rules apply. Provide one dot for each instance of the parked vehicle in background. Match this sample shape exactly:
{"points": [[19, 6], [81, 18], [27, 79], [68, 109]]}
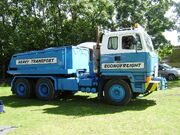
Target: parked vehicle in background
{"points": [[170, 73]]}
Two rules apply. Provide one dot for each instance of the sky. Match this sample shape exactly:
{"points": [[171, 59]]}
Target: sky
{"points": [[172, 35], [176, 0]]}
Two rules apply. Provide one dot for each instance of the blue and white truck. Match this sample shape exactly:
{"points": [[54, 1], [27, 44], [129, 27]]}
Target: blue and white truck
{"points": [[123, 66]]}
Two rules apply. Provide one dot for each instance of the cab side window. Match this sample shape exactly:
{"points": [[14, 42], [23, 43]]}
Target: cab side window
{"points": [[131, 42], [113, 43], [127, 42]]}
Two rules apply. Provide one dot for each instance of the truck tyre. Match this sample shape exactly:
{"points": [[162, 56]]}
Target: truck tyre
{"points": [[117, 92], [22, 88], [45, 89]]}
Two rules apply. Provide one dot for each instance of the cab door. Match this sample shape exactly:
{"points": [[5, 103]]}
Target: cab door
{"points": [[123, 53], [133, 57]]}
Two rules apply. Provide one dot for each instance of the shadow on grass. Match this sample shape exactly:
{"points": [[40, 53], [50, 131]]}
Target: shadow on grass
{"points": [[77, 105]]}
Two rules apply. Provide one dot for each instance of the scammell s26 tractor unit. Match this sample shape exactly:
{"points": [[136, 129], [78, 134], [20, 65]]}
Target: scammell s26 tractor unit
{"points": [[125, 67]]}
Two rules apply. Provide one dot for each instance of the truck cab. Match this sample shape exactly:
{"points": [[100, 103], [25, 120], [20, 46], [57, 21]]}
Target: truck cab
{"points": [[128, 56]]}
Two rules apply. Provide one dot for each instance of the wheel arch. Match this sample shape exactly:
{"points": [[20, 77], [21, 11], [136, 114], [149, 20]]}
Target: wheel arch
{"points": [[108, 78]]}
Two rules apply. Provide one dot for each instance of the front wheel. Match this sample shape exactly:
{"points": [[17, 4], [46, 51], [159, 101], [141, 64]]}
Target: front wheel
{"points": [[117, 92], [45, 89]]}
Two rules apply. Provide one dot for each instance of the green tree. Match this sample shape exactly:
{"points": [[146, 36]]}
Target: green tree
{"points": [[36, 24], [177, 16]]}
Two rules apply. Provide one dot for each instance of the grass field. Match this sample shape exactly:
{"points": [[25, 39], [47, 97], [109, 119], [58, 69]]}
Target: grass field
{"points": [[156, 114]]}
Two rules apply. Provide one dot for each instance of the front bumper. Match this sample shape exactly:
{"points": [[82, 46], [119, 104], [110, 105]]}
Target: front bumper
{"points": [[158, 83], [152, 86]]}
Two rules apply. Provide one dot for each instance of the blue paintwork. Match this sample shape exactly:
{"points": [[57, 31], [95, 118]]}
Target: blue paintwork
{"points": [[117, 93], [69, 60], [138, 87], [83, 89], [68, 84], [88, 89], [149, 60], [73, 84], [1, 106], [91, 67], [76, 61], [137, 77], [21, 89], [86, 82], [163, 84], [93, 90]]}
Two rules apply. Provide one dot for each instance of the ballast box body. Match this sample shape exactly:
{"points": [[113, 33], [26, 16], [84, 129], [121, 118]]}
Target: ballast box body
{"points": [[60, 60]]}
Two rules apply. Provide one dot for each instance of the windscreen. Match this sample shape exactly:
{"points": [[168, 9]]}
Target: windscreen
{"points": [[148, 42]]}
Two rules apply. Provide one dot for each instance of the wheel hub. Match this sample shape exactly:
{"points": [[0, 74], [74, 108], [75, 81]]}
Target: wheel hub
{"points": [[44, 90], [117, 92], [21, 89]]}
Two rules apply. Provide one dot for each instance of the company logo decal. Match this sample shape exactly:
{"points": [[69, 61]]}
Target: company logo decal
{"points": [[36, 61], [134, 65]]}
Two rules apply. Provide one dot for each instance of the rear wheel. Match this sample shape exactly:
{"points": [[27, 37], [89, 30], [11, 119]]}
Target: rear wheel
{"points": [[117, 92], [45, 89], [23, 88]]}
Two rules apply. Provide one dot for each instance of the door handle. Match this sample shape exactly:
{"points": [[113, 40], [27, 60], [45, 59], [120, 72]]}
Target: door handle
{"points": [[117, 58]]}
